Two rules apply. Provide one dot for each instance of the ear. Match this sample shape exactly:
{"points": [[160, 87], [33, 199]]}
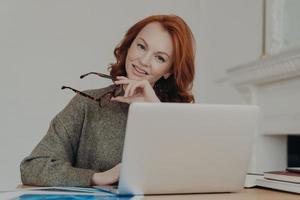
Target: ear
{"points": [[167, 75]]}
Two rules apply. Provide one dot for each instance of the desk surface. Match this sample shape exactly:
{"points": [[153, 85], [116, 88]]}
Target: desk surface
{"points": [[245, 194]]}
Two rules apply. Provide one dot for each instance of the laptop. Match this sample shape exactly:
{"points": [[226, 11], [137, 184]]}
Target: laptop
{"points": [[181, 148]]}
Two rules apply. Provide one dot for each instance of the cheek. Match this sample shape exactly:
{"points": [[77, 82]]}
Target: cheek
{"points": [[132, 54], [128, 54], [129, 57]]}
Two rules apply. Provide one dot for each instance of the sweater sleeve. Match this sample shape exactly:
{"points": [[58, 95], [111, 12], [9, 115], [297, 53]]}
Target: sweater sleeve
{"points": [[52, 160]]}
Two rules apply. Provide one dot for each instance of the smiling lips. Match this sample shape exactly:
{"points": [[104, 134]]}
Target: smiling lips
{"points": [[139, 70]]}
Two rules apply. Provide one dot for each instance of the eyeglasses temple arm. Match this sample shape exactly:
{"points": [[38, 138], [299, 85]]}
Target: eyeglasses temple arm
{"points": [[79, 92], [99, 74]]}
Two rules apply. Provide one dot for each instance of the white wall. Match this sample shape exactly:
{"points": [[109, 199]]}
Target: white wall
{"points": [[230, 35], [47, 43]]}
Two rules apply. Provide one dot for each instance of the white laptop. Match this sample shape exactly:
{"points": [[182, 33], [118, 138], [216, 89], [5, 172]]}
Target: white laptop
{"points": [[173, 148]]}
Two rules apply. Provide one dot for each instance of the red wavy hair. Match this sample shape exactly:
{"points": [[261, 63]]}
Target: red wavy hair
{"points": [[176, 88]]}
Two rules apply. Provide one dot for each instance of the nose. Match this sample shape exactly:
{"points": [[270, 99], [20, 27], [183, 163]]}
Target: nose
{"points": [[145, 59]]}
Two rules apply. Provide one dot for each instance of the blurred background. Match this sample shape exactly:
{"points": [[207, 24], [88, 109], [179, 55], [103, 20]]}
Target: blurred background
{"points": [[46, 44]]}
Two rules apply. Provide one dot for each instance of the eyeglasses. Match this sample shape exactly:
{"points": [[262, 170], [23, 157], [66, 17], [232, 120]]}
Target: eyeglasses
{"points": [[104, 99]]}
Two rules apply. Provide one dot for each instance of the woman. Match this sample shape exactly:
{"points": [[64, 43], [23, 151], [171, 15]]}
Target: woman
{"points": [[83, 146]]}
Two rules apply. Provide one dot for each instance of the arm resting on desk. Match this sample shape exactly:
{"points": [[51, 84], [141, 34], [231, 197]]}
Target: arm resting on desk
{"points": [[51, 162]]}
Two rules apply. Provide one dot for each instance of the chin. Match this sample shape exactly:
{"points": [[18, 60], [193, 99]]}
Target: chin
{"points": [[130, 75]]}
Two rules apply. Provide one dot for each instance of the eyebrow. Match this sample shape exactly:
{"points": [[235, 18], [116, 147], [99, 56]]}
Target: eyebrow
{"points": [[161, 52]]}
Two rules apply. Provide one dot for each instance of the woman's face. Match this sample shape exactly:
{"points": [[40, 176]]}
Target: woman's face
{"points": [[150, 55]]}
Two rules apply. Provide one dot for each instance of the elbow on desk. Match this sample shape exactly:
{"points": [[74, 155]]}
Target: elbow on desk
{"points": [[32, 174]]}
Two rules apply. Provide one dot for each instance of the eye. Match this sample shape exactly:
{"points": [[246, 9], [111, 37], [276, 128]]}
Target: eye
{"points": [[160, 59], [141, 46]]}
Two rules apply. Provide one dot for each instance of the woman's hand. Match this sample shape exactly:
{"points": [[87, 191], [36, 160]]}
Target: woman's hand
{"points": [[108, 177], [136, 91]]}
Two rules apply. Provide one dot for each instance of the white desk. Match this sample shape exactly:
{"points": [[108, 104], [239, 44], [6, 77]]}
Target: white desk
{"points": [[245, 194]]}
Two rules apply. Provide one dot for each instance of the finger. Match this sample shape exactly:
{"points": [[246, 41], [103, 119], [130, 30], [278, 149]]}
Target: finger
{"points": [[134, 88], [121, 77], [127, 89], [120, 99], [119, 82]]}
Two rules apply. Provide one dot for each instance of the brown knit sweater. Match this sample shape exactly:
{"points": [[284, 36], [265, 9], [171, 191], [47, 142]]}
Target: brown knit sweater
{"points": [[82, 139]]}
